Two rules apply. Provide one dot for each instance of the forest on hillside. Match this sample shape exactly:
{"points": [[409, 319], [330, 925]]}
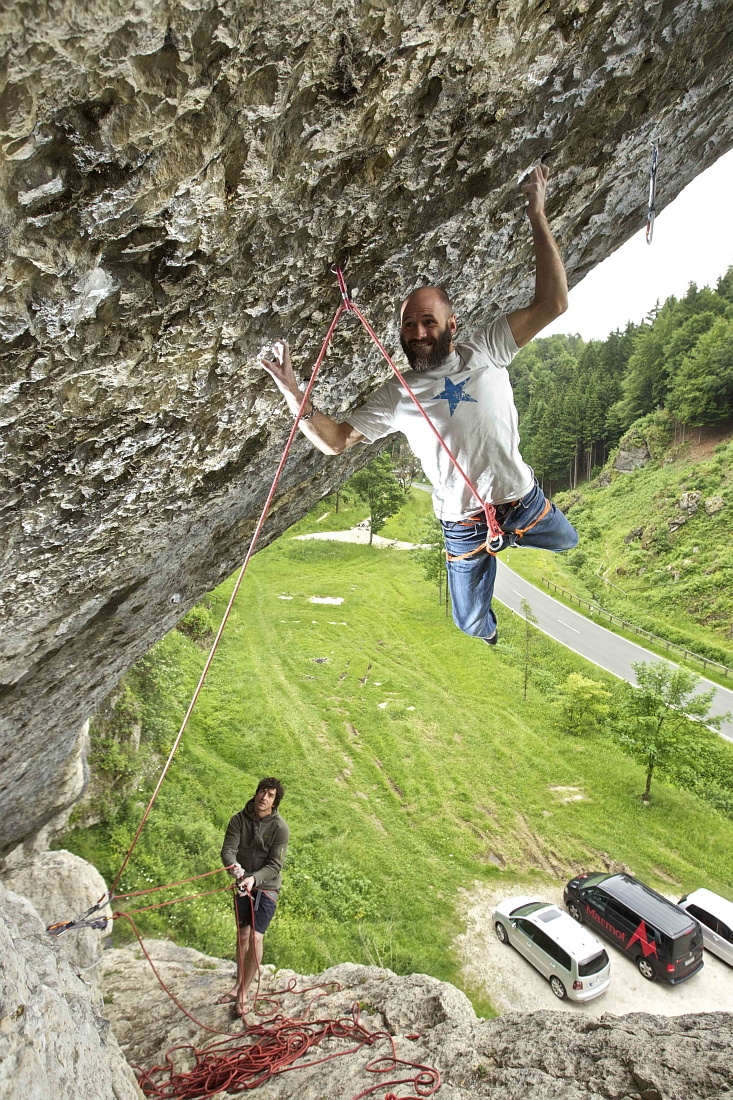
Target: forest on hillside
{"points": [[577, 399]]}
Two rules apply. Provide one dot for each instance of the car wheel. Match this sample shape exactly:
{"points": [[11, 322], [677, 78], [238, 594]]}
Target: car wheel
{"points": [[501, 933], [575, 911], [558, 988], [646, 969]]}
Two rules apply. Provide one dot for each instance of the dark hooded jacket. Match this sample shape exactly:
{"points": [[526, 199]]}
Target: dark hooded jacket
{"points": [[257, 846]]}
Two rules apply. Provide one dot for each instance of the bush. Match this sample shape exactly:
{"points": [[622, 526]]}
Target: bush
{"points": [[584, 705], [197, 623]]}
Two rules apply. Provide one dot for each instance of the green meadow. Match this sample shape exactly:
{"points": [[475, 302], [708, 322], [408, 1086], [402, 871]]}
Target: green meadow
{"points": [[412, 764], [677, 584]]}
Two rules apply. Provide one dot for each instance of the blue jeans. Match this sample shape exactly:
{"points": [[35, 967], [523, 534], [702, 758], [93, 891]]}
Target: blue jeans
{"points": [[471, 581]]}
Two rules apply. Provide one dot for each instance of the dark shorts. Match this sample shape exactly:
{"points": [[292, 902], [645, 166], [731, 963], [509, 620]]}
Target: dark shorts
{"points": [[264, 908]]}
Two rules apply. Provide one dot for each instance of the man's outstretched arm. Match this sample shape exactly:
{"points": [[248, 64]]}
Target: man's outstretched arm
{"points": [[326, 434], [551, 285]]}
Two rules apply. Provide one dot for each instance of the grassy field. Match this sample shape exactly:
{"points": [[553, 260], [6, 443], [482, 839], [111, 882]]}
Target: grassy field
{"points": [[678, 585], [413, 766]]}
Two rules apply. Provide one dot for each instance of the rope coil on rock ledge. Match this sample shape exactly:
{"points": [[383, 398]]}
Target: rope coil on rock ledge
{"points": [[274, 1045]]}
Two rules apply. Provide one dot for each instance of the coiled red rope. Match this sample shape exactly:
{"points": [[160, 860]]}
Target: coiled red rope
{"points": [[274, 1045]]}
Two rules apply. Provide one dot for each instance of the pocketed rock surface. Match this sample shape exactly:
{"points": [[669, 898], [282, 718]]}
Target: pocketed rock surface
{"points": [[545, 1055], [176, 181], [55, 1042]]}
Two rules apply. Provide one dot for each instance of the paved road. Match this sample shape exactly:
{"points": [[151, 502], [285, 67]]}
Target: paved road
{"points": [[589, 639]]}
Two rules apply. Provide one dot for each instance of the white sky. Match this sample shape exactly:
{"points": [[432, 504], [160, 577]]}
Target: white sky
{"points": [[693, 243]]}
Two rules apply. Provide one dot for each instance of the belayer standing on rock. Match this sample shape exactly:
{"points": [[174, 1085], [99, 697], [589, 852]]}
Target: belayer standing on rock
{"points": [[254, 851], [466, 392]]}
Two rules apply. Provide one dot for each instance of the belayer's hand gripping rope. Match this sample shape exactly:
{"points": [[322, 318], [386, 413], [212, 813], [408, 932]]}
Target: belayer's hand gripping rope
{"points": [[652, 193]]}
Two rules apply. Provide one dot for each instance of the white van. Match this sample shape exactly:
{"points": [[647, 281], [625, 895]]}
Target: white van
{"points": [[715, 915], [562, 950]]}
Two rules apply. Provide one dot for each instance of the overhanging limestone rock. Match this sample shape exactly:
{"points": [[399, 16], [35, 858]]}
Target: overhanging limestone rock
{"points": [[177, 180]]}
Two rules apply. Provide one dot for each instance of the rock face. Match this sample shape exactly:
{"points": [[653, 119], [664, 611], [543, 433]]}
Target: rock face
{"points": [[61, 886], [713, 505], [560, 1055], [690, 502], [631, 458], [55, 1044], [177, 180]]}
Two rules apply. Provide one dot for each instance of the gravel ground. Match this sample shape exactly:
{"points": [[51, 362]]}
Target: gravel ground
{"points": [[513, 985]]}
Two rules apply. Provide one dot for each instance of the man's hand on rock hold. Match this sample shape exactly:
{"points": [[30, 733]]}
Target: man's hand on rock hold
{"points": [[281, 369], [534, 187]]}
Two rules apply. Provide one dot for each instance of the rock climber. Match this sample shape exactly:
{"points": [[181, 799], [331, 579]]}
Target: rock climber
{"points": [[464, 387], [254, 851]]}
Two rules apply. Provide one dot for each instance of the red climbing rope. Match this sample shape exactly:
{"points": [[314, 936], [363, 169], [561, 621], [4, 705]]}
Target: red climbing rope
{"points": [[274, 1045], [242, 571], [495, 533], [277, 1045]]}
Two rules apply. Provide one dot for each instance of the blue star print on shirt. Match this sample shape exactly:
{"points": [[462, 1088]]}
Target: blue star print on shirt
{"points": [[454, 394]]}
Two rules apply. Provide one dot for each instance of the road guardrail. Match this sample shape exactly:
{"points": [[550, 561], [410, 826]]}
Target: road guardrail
{"points": [[688, 654]]}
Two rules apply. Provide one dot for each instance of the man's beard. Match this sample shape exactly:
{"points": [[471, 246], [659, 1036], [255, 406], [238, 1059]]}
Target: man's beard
{"points": [[422, 359]]}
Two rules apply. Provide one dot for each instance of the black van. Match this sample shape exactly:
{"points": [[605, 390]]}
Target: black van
{"points": [[664, 940]]}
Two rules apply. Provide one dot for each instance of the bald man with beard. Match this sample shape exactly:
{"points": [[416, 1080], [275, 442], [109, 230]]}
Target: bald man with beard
{"points": [[464, 387]]}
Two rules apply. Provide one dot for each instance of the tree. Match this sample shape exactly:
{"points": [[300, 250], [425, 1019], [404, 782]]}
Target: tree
{"points": [[377, 486], [659, 717], [585, 704], [406, 465], [702, 389], [530, 620], [430, 556]]}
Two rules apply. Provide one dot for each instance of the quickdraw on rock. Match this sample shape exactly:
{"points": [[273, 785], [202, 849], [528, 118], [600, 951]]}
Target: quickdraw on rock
{"points": [[83, 921], [652, 194]]}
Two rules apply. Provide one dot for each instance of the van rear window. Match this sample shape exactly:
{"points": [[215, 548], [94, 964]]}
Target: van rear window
{"points": [[592, 966], [683, 945]]}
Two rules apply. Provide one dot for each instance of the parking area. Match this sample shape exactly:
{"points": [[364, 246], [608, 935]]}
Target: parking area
{"points": [[513, 985]]}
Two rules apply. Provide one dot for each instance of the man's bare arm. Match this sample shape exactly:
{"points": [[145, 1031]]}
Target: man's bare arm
{"points": [[551, 285], [330, 437]]}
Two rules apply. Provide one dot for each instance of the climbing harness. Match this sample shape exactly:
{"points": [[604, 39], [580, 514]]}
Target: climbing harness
{"points": [[517, 534], [652, 194], [280, 1041]]}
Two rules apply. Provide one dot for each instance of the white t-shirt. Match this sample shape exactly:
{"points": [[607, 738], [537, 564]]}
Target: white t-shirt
{"points": [[470, 401]]}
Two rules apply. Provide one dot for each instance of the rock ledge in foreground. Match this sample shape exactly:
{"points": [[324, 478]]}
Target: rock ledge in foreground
{"points": [[560, 1055]]}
